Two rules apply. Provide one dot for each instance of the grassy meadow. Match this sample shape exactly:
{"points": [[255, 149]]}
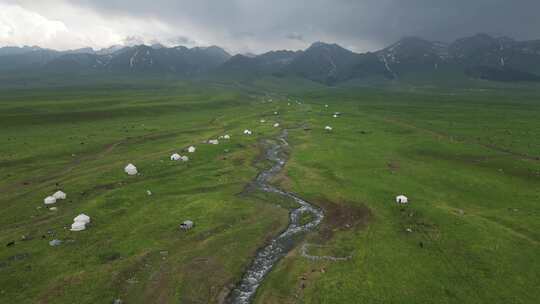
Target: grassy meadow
{"points": [[468, 159]]}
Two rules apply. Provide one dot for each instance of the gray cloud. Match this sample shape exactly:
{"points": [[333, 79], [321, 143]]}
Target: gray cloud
{"points": [[180, 40], [259, 25], [133, 40], [295, 36]]}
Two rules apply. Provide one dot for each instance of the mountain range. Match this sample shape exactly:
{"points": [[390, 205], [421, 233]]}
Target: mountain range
{"points": [[479, 56]]}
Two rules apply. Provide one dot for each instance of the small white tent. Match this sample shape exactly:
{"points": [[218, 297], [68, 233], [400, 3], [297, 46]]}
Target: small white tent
{"points": [[130, 169], [186, 225], [276, 125], [402, 199], [263, 121], [78, 226], [184, 158], [226, 136], [191, 149], [82, 218], [79, 222], [59, 195], [328, 128], [247, 132], [175, 156], [49, 200], [213, 142]]}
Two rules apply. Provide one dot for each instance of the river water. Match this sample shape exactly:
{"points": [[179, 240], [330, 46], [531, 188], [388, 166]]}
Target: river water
{"points": [[279, 246]]}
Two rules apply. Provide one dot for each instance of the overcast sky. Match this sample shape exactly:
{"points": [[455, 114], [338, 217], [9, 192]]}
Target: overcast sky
{"points": [[259, 25]]}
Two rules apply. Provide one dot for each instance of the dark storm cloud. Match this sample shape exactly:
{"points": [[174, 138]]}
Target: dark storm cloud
{"points": [[378, 21], [360, 24]]}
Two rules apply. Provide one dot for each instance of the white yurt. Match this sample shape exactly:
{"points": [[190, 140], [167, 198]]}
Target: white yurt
{"points": [[130, 169], [326, 106], [59, 195], [82, 218], [213, 142], [175, 156], [328, 128], [226, 136], [247, 132], [49, 200], [276, 113], [191, 149], [402, 199], [335, 116], [184, 158], [186, 225], [78, 226], [263, 121], [276, 125]]}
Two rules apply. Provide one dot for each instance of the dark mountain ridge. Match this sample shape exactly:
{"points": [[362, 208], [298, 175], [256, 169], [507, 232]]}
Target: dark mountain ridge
{"points": [[479, 56]]}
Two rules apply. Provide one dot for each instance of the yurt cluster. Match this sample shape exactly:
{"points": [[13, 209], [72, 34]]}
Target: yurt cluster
{"points": [[81, 221]]}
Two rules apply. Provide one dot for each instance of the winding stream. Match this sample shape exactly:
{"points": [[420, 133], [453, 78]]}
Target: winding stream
{"points": [[269, 255]]}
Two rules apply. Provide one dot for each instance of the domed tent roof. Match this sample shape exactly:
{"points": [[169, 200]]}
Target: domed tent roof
{"points": [[402, 199], [226, 136], [213, 142], [247, 132], [186, 225], [130, 169], [276, 125], [191, 149], [78, 226], [175, 156], [59, 195], [328, 128], [49, 200], [82, 218]]}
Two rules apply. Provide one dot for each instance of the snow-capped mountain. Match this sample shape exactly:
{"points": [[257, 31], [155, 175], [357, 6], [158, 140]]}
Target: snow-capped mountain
{"points": [[479, 56]]}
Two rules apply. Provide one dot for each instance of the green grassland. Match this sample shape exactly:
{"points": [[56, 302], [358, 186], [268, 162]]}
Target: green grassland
{"points": [[467, 159]]}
